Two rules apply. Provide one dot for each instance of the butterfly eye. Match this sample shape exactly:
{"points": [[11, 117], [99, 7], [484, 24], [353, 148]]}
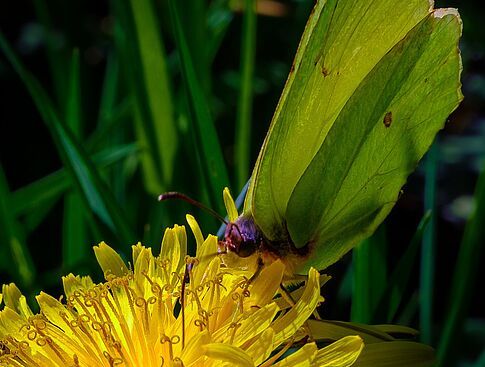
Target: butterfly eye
{"points": [[247, 248]]}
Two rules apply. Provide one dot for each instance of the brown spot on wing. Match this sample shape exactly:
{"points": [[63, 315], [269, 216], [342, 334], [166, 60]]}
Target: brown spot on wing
{"points": [[388, 119]]}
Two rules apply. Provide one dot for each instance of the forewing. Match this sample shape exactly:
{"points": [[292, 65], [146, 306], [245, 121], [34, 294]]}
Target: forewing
{"points": [[342, 43], [384, 129]]}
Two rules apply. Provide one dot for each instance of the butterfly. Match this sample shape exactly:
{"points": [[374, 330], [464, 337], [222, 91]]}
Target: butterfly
{"points": [[371, 84]]}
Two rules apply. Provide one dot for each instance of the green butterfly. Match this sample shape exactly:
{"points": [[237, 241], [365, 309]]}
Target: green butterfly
{"points": [[371, 85]]}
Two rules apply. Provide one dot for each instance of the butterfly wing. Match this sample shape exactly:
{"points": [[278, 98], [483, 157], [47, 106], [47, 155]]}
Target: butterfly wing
{"points": [[378, 138], [343, 43]]}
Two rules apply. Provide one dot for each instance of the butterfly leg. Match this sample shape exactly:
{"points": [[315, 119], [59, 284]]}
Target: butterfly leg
{"points": [[260, 266]]}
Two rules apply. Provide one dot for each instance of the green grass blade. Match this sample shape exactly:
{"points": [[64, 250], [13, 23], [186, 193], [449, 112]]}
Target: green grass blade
{"points": [[219, 16], [34, 218], [35, 200], [428, 249], [75, 247], [140, 44], [14, 254], [109, 90], [398, 281], [112, 124], [208, 146], [73, 105], [396, 354], [409, 311], [245, 108], [107, 133], [194, 23], [369, 276], [83, 170], [56, 59], [47, 190], [41, 193], [99, 197], [480, 362], [463, 286]]}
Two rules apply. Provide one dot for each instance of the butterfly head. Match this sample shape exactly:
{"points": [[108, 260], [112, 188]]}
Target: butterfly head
{"points": [[242, 237]]}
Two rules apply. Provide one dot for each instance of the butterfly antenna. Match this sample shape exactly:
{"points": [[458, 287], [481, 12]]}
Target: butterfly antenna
{"points": [[180, 196], [237, 229]]}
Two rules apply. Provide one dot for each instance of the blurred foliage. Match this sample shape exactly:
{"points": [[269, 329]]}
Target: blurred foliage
{"points": [[107, 104]]}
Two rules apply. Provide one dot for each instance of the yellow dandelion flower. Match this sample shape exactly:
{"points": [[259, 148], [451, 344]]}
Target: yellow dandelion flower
{"points": [[167, 310]]}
